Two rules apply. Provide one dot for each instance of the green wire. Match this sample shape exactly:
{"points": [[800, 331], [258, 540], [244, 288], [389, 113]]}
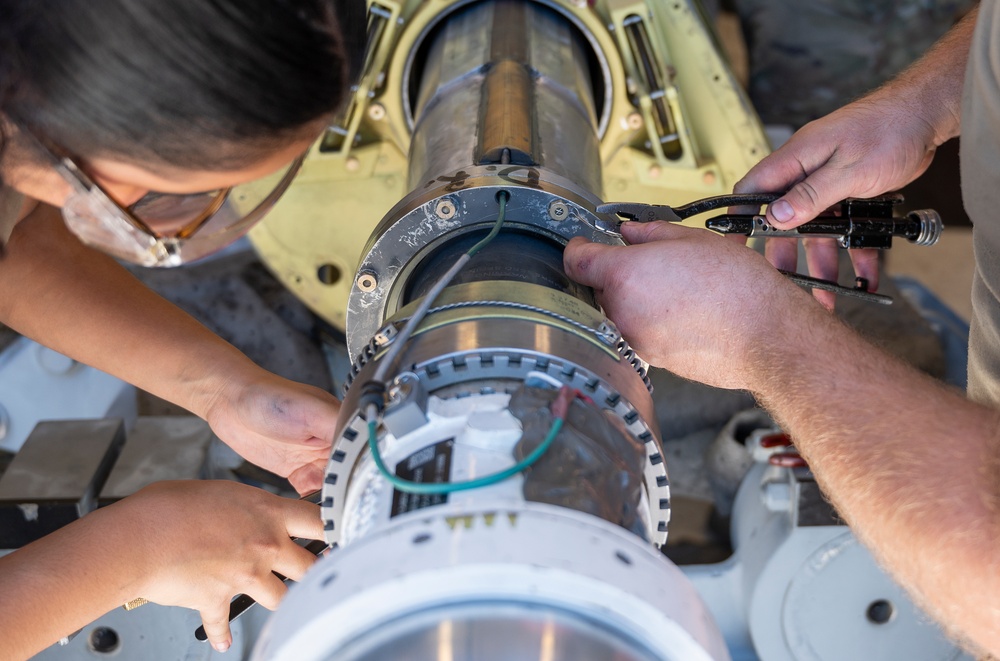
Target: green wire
{"points": [[502, 198], [448, 487], [486, 480]]}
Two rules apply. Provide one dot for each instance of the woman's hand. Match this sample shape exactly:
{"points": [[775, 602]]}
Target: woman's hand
{"points": [[203, 542], [85, 305], [277, 424], [193, 543]]}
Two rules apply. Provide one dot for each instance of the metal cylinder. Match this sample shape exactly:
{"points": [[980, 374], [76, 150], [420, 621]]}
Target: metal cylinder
{"points": [[506, 82]]}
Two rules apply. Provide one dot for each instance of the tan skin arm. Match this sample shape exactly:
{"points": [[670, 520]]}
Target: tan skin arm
{"points": [[82, 303], [912, 465], [191, 544]]}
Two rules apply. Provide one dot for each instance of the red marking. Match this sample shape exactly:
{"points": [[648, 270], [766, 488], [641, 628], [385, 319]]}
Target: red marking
{"points": [[787, 460], [560, 405], [779, 440]]}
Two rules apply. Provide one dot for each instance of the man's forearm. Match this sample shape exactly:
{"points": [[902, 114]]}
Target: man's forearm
{"points": [[83, 304], [912, 465]]}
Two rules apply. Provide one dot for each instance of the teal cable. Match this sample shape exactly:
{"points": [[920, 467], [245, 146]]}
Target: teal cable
{"points": [[438, 488]]}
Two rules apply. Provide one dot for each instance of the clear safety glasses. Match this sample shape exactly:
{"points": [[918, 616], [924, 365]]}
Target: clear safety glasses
{"points": [[187, 227]]}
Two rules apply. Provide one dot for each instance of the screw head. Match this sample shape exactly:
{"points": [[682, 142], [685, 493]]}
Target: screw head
{"points": [[376, 111], [634, 121], [367, 282], [558, 210], [445, 209]]}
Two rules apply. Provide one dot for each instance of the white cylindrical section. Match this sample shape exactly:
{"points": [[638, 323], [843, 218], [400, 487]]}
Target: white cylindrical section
{"points": [[523, 569], [463, 439]]}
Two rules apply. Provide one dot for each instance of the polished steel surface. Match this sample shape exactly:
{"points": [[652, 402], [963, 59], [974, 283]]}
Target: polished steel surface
{"points": [[413, 231], [494, 632]]}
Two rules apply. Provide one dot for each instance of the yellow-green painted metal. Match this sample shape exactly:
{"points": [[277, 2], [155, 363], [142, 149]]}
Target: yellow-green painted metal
{"points": [[313, 238]]}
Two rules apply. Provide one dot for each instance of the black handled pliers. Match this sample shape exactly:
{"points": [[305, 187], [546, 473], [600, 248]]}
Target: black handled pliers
{"points": [[874, 232], [645, 213]]}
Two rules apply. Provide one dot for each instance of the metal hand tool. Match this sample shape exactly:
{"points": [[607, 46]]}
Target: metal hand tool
{"points": [[853, 223]]}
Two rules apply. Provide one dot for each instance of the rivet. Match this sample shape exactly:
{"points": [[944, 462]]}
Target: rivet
{"points": [[367, 282], [445, 209]]}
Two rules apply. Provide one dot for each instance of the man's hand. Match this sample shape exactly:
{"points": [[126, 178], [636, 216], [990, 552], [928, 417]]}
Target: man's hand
{"points": [[685, 298], [875, 145], [867, 148], [277, 424]]}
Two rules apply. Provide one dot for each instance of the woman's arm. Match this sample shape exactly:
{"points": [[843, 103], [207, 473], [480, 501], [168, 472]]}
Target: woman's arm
{"points": [[194, 544], [82, 303]]}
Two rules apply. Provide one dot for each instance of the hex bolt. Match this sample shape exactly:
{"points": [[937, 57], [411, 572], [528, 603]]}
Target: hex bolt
{"points": [[558, 210], [445, 209], [367, 282], [376, 111]]}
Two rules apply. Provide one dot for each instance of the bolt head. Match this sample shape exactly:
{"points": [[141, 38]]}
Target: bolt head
{"points": [[376, 111], [634, 121]]}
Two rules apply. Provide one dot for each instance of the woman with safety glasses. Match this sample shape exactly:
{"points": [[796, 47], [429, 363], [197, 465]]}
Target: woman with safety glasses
{"points": [[155, 133]]}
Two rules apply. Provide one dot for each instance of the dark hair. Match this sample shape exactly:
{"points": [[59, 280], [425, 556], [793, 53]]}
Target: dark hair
{"points": [[190, 83]]}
